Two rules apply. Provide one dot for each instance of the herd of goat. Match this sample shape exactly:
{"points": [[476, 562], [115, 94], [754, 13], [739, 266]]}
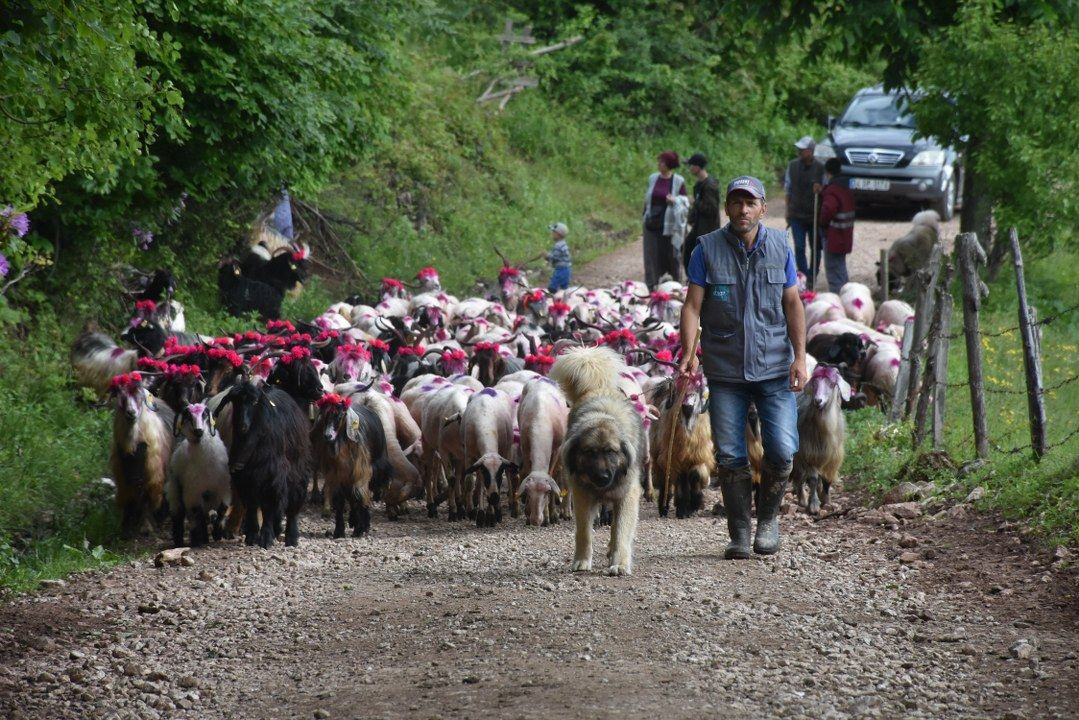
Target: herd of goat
{"points": [[423, 395]]}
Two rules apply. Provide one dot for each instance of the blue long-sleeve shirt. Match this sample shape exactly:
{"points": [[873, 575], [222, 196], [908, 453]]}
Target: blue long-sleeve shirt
{"points": [[559, 255]]}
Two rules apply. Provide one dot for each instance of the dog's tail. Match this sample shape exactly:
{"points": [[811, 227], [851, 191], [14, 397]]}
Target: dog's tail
{"points": [[929, 219], [583, 372]]}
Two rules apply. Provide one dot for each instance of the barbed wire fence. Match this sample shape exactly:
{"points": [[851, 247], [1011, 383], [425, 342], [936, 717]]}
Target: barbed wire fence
{"points": [[921, 387]]}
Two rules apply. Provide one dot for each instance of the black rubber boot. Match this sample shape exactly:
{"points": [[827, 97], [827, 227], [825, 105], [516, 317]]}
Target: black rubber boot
{"points": [[737, 487], [773, 486]]}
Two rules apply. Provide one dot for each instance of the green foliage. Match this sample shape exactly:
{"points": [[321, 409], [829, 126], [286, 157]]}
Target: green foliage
{"points": [[55, 449], [1007, 92], [76, 99], [1041, 494]]}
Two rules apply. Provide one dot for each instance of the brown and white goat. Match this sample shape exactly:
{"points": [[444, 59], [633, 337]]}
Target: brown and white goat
{"points": [[682, 434], [822, 432], [96, 360], [541, 415], [342, 440], [141, 446]]}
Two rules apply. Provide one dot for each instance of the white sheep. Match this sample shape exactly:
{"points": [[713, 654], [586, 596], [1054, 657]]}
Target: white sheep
{"points": [[542, 415], [857, 302]]}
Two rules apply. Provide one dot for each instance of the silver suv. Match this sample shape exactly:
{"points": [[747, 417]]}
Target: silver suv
{"points": [[875, 140]]}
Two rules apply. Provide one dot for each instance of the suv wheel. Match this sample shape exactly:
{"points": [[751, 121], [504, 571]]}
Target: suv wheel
{"points": [[945, 204]]}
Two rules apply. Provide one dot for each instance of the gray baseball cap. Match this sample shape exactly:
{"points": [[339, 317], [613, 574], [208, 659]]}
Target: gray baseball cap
{"points": [[750, 184]]}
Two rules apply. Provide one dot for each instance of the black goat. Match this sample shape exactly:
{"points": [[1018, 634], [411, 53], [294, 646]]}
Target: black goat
{"points": [[270, 459], [284, 271], [847, 352], [295, 374], [241, 295]]}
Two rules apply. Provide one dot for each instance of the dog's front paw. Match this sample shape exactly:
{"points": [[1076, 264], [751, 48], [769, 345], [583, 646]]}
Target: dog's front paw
{"points": [[619, 569], [581, 565]]}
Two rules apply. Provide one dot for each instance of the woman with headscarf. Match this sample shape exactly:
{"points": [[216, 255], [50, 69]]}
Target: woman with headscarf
{"points": [[665, 201]]}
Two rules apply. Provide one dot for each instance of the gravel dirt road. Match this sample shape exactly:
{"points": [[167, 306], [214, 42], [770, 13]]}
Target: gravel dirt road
{"points": [[922, 611], [950, 617], [874, 230]]}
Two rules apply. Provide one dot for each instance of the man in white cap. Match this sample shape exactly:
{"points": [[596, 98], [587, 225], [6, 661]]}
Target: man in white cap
{"points": [[804, 179]]}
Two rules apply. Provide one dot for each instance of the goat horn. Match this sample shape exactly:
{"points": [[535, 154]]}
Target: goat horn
{"points": [[652, 355]]}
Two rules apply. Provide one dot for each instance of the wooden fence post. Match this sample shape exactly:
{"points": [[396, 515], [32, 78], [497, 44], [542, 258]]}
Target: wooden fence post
{"points": [[884, 285], [929, 380], [899, 397], [941, 368], [970, 255], [923, 316], [1032, 360]]}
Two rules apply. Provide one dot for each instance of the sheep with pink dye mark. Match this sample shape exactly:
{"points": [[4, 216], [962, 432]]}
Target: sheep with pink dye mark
{"points": [[542, 415], [892, 312], [487, 432], [857, 302]]}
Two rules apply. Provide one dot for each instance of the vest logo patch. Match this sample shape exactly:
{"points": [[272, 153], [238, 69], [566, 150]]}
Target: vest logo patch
{"points": [[721, 293]]}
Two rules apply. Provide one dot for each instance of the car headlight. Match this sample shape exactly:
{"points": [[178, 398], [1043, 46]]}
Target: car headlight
{"points": [[928, 158], [824, 152]]}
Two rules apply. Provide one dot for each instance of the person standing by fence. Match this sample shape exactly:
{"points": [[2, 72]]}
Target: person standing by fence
{"points": [[805, 175], [704, 214], [664, 188], [837, 222]]}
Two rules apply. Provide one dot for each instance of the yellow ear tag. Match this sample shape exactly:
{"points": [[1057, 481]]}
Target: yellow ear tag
{"points": [[355, 424], [565, 492]]}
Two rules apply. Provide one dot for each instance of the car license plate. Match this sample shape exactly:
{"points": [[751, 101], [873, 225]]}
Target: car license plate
{"points": [[868, 184]]}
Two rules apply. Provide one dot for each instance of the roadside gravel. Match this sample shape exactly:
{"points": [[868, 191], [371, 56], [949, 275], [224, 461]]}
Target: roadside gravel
{"points": [[919, 618]]}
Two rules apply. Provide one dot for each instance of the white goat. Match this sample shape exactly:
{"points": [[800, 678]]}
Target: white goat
{"points": [[198, 481], [822, 432]]}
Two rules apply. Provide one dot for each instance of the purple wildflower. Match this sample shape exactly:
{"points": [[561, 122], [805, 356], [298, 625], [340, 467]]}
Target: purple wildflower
{"points": [[143, 237], [5, 266], [17, 221]]}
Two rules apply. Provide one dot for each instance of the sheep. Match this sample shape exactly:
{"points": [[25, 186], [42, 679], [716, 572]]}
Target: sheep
{"points": [[350, 449], [96, 360], [487, 431], [820, 311], [442, 447], [141, 446], [857, 302], [892, 312], [198, 478], [881, 371], [683, 436], [822, 432], [542, 415], [270, 459]]}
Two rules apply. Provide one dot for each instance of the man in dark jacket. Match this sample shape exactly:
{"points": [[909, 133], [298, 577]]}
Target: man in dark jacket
{"points": [[704, 214], [803, 180], [837, 219]]}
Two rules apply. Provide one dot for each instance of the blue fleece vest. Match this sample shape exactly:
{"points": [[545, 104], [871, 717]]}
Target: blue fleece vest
{"points": [[743, 326]]}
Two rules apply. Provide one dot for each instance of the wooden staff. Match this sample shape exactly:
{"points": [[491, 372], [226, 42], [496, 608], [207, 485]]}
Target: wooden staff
{"points": [[674, 426]]}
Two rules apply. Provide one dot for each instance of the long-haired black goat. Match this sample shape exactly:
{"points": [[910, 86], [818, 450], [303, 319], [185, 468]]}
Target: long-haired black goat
{"points": [[270, 459], [242, 294]]}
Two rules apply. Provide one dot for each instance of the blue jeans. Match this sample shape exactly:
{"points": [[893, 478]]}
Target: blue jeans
{"points": [[803, 236], [728, 407], [559, 278]]}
